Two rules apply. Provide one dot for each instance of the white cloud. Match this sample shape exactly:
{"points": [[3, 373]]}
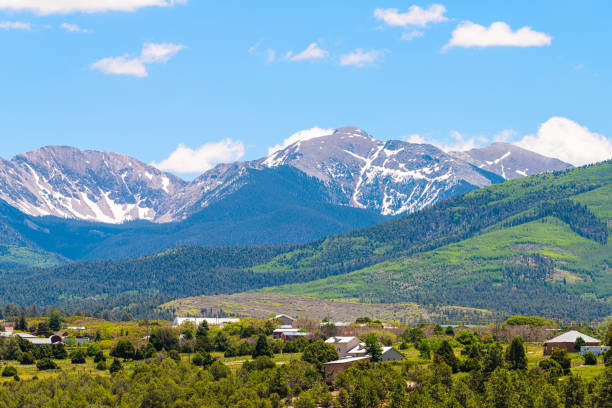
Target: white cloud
{"points": [[301, 135], [15, 25], [45, 7], [271, 55], [498, 34], [411, 35], [136, 66], [415, 16], [185, 160], [358, 58], [73, 28], [254, 47], [311, 53], [569, 141]]}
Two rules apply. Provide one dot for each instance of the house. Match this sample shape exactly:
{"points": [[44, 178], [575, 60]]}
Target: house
{"points": [[284, 319], [218, 321], [332, 368], [566, 342], [39, 341], [388, 353], [289, 334], [343, 344], [597, 350]]}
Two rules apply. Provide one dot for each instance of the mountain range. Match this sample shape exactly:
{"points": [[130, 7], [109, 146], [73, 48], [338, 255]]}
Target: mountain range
{"points": [[79, 204], [537, 245]]}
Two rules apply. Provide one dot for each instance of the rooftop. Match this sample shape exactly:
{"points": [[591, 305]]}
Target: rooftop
{"points": [[571, 336], [347, 360], [339, 339]]}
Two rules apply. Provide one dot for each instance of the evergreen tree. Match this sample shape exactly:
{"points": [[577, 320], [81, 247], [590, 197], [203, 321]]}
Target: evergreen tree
{"points": [[115, 366], [445, 352], [262, 347], [373, 348], [55, 320], [573, 392], [515, 355], [21, 325], [319, 352]]}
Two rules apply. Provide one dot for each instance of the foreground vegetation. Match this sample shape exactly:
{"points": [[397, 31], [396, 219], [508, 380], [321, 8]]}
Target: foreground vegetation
{"points": [[240, 366]]}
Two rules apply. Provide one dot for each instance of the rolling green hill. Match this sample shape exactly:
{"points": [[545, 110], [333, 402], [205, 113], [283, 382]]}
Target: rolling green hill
{"points": [[538, 245]]}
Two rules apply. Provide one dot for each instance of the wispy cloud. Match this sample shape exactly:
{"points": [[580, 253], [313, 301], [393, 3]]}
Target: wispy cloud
{"points": [[137, 66], [253, 48], [312, 52], [498, 34], [411, 35], [415, 16], [73, 28], [185, 160], [299, 136], [45, 7], [15, 25], [358, 58]]}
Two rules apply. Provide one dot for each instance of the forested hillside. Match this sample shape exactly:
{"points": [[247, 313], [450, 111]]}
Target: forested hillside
{"points": [[538, 244]]}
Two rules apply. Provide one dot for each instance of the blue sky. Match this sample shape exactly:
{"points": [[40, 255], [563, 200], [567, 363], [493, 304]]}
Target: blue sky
{"points": [[211, 77]]}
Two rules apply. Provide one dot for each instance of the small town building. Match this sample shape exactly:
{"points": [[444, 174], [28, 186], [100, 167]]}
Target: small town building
{"points": [[285, 320], [566, 342], [388, 353], [332, 368], [217, 321], [39, 341], [343, 344], [289, 334], [597, 350]]}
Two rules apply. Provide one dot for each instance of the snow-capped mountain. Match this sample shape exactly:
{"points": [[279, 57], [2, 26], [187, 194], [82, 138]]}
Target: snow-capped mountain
{"points": [[510, 161], [88, 185], [355, 170], [392, 177]]}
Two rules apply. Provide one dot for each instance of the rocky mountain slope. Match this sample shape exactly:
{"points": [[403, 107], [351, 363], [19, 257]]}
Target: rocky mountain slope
{"points": [[355, 169], [89, 185], [510, 161]]}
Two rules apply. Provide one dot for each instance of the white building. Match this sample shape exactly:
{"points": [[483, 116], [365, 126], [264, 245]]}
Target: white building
{"points": [[388, 353], [343, 344]]}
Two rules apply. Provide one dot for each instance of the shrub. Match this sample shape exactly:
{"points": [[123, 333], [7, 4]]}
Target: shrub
{"points": [[608, 358], [319, 352], [590, 358], [101, 365], [123, 349], [46, 364], [78, 357], [59, 351], [99, 357], [466, 337], [27, 358], [9, 371], [203, 359], [173, 354], [560, 356], [445, 352], [219, 370], [115, 366]]}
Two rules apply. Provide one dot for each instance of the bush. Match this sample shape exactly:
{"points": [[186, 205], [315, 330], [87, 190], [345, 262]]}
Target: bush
{"points": [[27, 358], [59, 351], [466, 337], [101, 365], [123, 349], [608, 358], [9, 371], [173, 354], [219, 370], [529, 321], [319, 352], [203, 359], [46, 364], [78, 357], [115, 366], [590, 358], [560, 356], [99, 357]]}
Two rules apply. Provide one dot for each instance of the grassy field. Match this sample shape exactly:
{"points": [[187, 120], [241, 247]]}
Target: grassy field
{"points": [[263, 305], [28, 257]]}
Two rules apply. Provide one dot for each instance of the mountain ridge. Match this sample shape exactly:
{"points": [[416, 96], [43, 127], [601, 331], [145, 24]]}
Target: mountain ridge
{"points": [[392, 178]]}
